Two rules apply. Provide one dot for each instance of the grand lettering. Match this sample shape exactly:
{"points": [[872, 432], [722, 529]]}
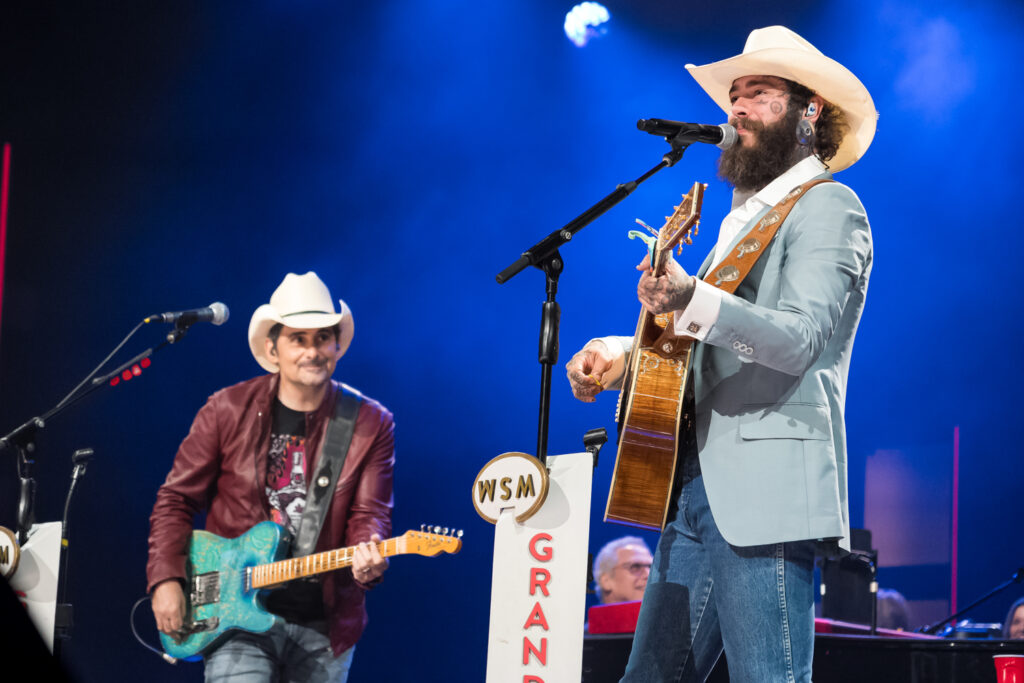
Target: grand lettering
{"points": [[541, 550]]}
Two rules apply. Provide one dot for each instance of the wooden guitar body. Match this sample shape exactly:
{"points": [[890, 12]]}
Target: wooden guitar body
{"points": [[650, 409]]}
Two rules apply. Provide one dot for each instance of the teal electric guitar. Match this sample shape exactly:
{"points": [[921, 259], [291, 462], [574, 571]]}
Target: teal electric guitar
{"points": [[227, 579]]}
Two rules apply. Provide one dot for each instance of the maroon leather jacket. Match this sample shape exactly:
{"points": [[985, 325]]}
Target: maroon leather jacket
{"points": [[221, 467]]}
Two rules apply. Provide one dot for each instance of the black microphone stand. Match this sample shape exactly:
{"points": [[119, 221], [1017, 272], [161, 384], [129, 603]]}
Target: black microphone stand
{"points": [[1018, 577], [65, 616], [23, 438], [544, 255]]}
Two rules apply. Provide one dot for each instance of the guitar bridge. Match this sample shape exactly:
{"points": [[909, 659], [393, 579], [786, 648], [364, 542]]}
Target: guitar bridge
{"points": [[208, 624], [205, 588]]}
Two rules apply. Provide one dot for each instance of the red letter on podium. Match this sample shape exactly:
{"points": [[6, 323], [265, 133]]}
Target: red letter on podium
{"points": [[544, 554], [541, 654], [537, 582]]}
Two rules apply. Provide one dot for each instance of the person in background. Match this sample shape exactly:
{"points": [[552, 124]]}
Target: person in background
{"points": [[892, 610], [621, 569], [1013, 627]]}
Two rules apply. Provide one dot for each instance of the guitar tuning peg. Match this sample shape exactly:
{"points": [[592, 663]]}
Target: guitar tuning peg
{"points": [[459, 533], [423, 527], [437, 529]]}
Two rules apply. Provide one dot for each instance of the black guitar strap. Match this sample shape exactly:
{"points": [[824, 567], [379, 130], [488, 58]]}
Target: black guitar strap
{"points": [[332, 459]]}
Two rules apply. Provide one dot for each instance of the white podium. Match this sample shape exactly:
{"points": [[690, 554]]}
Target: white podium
{"points": [[538, 585], [35, 580]]}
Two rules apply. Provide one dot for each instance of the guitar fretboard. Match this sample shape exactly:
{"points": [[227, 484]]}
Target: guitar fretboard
{"points": [[264, 575]]}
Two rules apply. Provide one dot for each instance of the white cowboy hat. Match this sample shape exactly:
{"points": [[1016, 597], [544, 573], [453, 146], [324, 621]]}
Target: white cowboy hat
{"points": [[777, 51], [303, 302]]}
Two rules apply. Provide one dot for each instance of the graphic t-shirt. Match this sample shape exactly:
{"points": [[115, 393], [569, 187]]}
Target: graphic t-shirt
{"points": [[298, 601], [286, 467]]}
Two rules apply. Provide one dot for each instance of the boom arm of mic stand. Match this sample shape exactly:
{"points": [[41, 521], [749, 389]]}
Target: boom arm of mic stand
{"points": [[1018, 577], [540, 252], [23, 437]]}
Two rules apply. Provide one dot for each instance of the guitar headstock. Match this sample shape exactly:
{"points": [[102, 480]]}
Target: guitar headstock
{"points": [[684, 220], [432, 540]]}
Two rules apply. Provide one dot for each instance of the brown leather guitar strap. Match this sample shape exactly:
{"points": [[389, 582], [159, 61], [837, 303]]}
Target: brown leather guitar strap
{"points": [[731, 272]]}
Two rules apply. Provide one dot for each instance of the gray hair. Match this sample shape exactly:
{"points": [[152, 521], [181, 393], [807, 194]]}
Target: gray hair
{"points": [[893, 611], [608, 555]]}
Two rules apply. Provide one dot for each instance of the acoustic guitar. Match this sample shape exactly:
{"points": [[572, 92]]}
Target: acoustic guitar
{"points": [[227, 579], [650, 404]]}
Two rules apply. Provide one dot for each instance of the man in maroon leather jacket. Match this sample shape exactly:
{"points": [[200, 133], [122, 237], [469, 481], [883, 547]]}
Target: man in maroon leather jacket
{"points": [[222, 467]]}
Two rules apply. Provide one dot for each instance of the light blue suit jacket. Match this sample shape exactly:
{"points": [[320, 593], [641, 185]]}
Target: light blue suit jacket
{"points": [[769, 380]]}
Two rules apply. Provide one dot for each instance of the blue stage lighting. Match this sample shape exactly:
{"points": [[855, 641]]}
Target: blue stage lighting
{"points": [[584, 21]]}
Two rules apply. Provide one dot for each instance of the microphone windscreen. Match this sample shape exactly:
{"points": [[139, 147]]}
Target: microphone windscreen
{"points": [[220, 313], [729, 136]]}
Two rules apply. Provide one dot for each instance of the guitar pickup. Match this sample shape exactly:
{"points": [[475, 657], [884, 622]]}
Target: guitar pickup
{"points": [[205, 588]]}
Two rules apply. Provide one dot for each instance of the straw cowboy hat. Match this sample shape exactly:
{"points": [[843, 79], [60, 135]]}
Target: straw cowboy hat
{"points": [[303, 302], [777, 51]]}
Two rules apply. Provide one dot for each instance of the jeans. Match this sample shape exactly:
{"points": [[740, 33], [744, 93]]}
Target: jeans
{"points": [[704, 595], [287, 652]]}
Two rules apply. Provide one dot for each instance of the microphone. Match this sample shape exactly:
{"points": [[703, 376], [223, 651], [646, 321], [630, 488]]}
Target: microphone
{"points": [[216, 313], [722, 135]]}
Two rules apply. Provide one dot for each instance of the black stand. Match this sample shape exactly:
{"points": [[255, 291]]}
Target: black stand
{"points": [[1018, 577], [544, 255], [593, 440], [65, 616], [23, 438]]}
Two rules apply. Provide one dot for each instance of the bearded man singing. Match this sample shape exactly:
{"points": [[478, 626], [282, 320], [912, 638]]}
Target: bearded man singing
{"points": [[762, 473]]}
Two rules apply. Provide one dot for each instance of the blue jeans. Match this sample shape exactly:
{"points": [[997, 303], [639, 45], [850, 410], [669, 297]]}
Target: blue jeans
{"points": [[287, 652], [704, 595]]}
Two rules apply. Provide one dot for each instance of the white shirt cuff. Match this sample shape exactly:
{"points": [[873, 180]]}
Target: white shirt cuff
{"points": [[701, 313], [614, 375]]}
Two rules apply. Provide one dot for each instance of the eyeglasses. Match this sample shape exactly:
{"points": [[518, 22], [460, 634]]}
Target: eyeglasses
{"points": [[637, 568]]}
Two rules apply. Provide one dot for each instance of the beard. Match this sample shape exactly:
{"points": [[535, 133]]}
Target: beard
{"points": [[775, 149]]}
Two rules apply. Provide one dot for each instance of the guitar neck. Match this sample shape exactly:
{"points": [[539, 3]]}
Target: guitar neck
{"points": [[660, 259], [273, 573]]}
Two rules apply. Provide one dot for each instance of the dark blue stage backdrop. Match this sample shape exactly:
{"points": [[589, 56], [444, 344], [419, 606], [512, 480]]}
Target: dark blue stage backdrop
{"points": [[166, 155]]}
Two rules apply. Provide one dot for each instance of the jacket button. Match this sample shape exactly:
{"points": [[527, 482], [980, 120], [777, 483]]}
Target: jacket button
{"points": [[322, 482]]}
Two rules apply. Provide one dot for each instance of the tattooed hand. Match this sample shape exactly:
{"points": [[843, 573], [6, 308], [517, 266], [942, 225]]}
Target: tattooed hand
{"points": [[586, 370], [670, 292]]}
